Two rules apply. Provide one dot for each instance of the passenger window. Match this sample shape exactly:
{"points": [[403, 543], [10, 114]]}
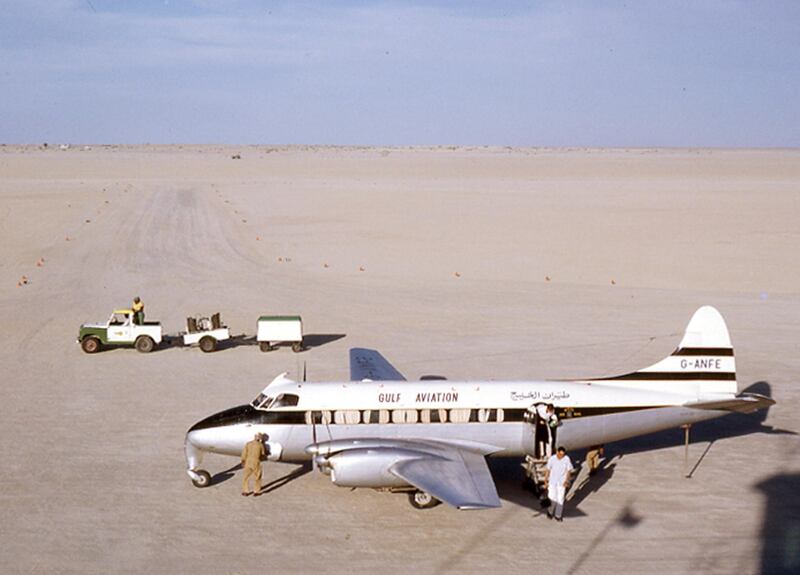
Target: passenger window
{"points": [[404, 416], [383, 416], [500, 415], [425, 415], [483, 415], [460, 415]]}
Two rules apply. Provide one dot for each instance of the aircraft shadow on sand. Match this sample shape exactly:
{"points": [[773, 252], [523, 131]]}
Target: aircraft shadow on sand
{"points": [[277, 483], [732, 425], [510, 479]]}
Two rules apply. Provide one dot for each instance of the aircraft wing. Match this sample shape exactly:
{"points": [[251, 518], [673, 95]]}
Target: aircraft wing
{"points": [[370, 364], [455, 476], [744, 403]]}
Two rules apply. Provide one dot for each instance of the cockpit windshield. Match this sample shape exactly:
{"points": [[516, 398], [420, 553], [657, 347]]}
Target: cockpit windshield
{"points": [[264, 401], [261, 401]]}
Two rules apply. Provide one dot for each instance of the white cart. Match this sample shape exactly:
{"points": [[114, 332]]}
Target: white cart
{"points": [[205, 332], [277, 329]]}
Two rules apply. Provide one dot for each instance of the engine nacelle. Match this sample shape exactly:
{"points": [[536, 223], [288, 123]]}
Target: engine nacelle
{"points": [[368, 467]]}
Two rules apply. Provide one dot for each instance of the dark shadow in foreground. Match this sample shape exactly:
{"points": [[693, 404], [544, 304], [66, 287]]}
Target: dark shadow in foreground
{"points": [[626, 519], [780, 531]]}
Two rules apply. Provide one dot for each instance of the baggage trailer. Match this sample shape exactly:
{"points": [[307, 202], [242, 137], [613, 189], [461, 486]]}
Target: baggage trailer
{"points": [[205, 332], [277, 329]]}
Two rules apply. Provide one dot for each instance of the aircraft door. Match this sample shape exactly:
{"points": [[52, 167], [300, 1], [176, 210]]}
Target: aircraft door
{"points": [[540, 437]]}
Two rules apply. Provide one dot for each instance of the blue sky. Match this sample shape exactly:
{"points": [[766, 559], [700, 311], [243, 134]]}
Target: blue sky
{"points": [[662, 73]]}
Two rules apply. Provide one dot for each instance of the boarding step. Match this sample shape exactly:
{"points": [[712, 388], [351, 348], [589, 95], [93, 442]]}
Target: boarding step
{"points": [[535, 471]]}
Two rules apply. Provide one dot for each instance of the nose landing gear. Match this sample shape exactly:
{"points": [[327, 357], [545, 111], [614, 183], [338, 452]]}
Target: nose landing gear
{"points": [[200, 477]]}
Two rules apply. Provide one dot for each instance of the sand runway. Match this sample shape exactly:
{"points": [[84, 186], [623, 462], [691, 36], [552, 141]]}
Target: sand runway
{"points": [[466, 263]]}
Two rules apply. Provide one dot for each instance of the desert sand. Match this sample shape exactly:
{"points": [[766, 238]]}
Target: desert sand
{"points": [[469, 263]]}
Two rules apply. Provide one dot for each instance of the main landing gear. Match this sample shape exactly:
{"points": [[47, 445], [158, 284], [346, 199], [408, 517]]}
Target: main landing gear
{"points": [[422, 500]]}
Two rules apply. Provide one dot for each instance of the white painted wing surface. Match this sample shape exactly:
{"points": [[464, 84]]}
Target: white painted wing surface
{"points": [[457, 477], [370, 364]]}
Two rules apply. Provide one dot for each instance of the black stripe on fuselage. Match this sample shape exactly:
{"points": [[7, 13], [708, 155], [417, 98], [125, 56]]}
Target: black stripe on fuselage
{"points": [[248, 414], [726, 351], [673, 376]]}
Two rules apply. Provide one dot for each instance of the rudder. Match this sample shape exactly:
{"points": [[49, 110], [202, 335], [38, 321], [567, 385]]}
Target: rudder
{"points": [[703, 361]]}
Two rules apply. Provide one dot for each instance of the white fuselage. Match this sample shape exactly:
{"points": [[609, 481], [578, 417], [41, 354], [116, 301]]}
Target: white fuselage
{"points": [[489, 413]]}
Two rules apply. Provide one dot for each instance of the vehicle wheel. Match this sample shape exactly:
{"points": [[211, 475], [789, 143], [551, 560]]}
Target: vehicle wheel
{"points": [[204, 480], [208, 344], [265, 346], [90, 345], [297, 347], [422, 500], [144, 344]]}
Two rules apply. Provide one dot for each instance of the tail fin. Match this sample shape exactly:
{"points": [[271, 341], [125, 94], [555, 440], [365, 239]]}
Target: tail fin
{"points": [[703, 362]]}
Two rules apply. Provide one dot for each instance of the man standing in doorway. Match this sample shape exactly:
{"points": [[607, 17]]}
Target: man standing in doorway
{"points": [[252, 454], [558, 474]]}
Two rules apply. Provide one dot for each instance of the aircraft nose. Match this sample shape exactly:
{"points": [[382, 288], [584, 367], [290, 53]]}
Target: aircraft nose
{"points": [[232, 416]]}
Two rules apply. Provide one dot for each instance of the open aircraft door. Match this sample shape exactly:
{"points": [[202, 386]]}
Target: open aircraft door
{"points": [[539, 442]]}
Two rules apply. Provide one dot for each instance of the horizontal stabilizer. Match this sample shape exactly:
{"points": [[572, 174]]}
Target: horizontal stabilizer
{"points": [[744, 403]]}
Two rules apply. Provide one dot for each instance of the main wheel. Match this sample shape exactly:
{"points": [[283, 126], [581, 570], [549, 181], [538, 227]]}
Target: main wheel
{"points": [[208, 344], [90, 344], [265, 346], [144, 344], [204, 480], [422, 500], [297, 346]]}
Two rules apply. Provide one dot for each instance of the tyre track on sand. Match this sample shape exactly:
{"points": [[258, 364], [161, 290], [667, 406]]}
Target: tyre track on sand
{"points": [[180, 230]]}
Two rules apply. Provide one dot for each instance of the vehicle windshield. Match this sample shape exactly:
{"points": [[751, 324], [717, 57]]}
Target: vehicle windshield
{"points": [[117, 319]]}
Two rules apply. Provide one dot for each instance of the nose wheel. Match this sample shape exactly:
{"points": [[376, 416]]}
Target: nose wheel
{"points": [[201, 478]]}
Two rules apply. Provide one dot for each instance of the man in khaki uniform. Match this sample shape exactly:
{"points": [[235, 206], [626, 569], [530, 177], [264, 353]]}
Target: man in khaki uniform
{"points": [[593, 458], [252, 454]]}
